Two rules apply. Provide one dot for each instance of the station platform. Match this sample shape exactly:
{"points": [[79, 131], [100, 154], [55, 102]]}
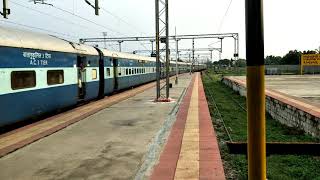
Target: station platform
{"points": [[125, 136]]}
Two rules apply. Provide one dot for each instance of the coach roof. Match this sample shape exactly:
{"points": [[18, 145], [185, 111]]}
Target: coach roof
{"points": [[125, 55], [12, 37]]}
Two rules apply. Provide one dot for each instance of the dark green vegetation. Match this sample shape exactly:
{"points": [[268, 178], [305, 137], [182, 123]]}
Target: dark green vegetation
{"points": [[278, 166], [230, 71], [291, 58]]}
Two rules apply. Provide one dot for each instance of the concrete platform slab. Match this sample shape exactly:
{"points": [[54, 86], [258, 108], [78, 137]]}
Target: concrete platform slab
{"points": [[111, 144], [306, 86]]}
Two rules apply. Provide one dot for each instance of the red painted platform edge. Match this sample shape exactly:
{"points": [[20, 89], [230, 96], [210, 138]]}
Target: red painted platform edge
{"points": [[285, 98], [166, 167], [211, 166]]}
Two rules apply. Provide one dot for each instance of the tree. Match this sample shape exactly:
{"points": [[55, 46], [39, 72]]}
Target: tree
{"points": [[292, 57], [272, 60], [240, 63]]}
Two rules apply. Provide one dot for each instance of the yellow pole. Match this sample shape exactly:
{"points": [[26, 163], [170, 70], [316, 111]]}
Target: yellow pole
{"points": [[301, 65], [255, 90], [256, 123]]}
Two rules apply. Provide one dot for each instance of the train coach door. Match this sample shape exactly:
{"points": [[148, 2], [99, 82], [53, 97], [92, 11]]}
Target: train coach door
{"points": [[81, 77], [115, 73]]}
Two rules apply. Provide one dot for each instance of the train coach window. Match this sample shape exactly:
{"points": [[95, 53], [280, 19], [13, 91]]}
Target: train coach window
{"points": [[127, 71], [108, 72], [94, 74], [55, 77], [23, 79]]}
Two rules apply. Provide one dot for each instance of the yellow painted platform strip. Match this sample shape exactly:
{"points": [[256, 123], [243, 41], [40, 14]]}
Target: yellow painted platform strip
{"points": [[188, 163]]}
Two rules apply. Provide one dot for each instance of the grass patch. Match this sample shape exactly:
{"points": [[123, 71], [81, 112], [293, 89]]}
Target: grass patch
{"points": [[278, 166]]}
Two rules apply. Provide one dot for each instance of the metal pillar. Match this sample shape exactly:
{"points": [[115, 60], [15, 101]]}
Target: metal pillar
{"points": [[165, 22], [177, 56], [5, 11], [104, 36], [157, 50], [151, 46], [211, 51], [96, 5], [192, 64], [236, 46], [120, 45], [255, 90], [220, 47], [167, 49]]}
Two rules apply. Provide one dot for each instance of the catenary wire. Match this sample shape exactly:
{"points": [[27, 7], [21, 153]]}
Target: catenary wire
{"points": [[50, 15]]}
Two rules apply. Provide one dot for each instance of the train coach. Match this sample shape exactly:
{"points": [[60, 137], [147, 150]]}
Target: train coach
{"points": [[41, 73]]}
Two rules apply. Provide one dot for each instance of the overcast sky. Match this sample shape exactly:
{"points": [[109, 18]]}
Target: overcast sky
{"points": [[288, 24]]}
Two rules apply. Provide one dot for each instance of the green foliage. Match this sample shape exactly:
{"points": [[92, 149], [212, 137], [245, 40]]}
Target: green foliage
{"points": [[223, 62], [230, 63], [273, 60], [291, 58], [240, 63]]}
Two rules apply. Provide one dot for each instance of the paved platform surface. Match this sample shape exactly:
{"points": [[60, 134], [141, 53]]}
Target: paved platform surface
{"points": [[111, 144], [192, 150], [23, 136], [306, 86]]}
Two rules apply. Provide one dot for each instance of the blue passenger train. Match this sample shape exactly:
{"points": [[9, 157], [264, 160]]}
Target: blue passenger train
{"points": [[41, 73]]}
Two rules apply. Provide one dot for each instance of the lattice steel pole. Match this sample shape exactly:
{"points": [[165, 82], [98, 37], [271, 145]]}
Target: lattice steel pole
{"points": [[167, 49], [177, 56], [157, 50], [192, 68], [190, 64], [164, 39]]}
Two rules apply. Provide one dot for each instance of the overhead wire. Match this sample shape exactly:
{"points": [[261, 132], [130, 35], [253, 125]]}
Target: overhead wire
{"points": [[210, 45], [50, 15], [223, 18], [78, 16], [225, 14], [88, 20], [125, 22]]}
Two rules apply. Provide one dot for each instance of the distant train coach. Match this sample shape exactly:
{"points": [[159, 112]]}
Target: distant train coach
{"points": [[41, 73]]}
